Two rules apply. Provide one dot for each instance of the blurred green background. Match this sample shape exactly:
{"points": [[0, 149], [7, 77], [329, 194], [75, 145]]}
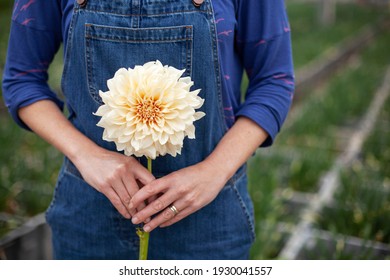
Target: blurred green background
{"points": [[285, 177]]}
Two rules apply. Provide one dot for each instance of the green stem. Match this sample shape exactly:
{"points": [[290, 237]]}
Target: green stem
{"points": [[143, 244], [144, 236]]}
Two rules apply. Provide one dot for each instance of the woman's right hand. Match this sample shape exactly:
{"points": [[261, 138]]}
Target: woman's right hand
{"points": [[111, 173], [115, 175]]}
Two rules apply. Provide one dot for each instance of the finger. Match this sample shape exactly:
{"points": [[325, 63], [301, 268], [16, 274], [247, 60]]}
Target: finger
{"points": [[155, 207], [143, 175], [152, 198], [143, 204], [149, 201], [111, 194], [148, 191], [168, 216], [122, 192], [182, 214], [132, 187], [133, 184]]}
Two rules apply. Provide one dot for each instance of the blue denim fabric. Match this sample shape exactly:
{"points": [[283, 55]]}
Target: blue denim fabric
{"points": [[103, 37]]}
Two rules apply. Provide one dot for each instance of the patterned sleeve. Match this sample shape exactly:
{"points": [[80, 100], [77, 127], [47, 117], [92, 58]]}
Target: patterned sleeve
{"points": [[264, 44], [35, 37]]}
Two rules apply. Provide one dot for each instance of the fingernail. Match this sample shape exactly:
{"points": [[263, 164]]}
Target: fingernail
{"points": [[146, 228], [135, 220], [131, 205]]}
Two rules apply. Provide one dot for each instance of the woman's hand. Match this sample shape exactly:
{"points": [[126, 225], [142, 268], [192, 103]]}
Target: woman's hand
{"points": [[192, 188], [188, 189], [115, 175]]}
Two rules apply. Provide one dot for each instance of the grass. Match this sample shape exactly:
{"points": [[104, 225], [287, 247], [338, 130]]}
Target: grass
{"points": [[308, 147], [27, 173], [337, 247], [362, 204], [310, 36], [5, 11], [310, 39]]}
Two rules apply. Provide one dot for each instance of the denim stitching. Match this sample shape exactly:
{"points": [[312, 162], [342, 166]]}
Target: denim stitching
{"points": [[68, 49], [89, 70], [137, 41], [224, 128], [89, 49], [189, 49], [71, 170], [149, 15], [91, 31], [246, 212], [125, 238], [55, 195]]}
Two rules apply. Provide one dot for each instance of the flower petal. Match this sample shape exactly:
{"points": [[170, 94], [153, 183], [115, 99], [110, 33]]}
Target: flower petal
{"points": [[149, 110]]}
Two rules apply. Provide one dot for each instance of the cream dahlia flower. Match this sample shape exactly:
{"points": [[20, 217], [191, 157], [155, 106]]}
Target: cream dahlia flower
{"points": [[149, 110]]}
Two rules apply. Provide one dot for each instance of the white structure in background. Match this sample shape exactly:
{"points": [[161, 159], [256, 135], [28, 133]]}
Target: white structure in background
{"points": [[327, 11]]}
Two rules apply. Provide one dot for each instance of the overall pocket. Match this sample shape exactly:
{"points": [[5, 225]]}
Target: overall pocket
{"points": [[109, 48], [243, 201]]}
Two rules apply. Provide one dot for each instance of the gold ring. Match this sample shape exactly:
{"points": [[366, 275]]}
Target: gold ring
{"points": [[174, 210]]}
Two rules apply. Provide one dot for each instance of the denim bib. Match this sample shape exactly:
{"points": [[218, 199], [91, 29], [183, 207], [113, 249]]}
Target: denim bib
{"points": [[106, 35]]}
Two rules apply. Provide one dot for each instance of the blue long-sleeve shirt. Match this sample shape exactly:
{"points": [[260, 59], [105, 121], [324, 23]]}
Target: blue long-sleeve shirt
{"points": [[253, 35]]}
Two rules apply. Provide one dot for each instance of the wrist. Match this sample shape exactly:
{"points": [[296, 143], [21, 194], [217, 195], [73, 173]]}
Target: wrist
{"points": [[219, 168], [81, 150]]}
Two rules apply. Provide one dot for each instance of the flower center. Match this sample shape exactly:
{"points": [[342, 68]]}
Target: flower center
{"points": [[148, 111]]}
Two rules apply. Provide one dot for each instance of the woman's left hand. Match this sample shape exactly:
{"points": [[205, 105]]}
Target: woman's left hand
{"points": [[188, 190], [192, 188]]}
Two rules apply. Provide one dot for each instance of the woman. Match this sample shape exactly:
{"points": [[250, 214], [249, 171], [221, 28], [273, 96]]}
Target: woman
{"points": [[199, 207]]}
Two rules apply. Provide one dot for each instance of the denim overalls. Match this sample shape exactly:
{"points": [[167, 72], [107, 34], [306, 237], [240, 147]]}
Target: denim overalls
{"points": [[104, 36]]}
